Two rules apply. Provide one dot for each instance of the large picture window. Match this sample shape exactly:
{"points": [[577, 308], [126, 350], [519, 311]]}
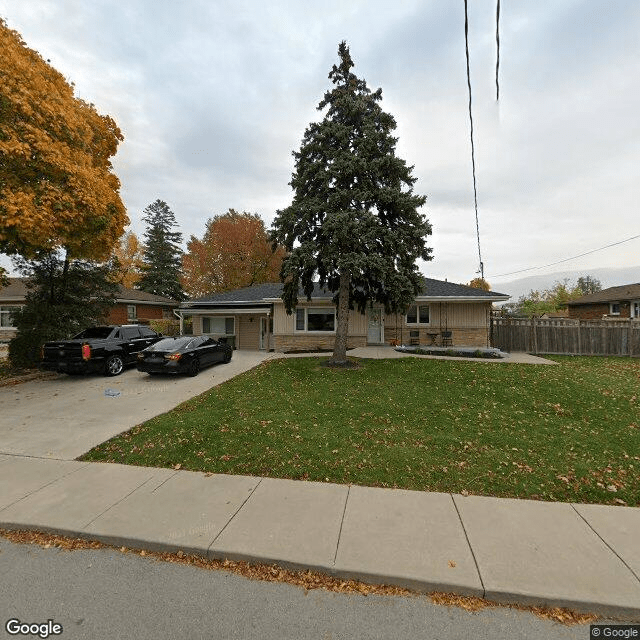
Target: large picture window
{"points": [[218, 324], [418, 314], [316, 319], [6, 321]]}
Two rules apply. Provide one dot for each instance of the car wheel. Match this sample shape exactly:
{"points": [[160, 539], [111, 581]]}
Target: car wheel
{"points": [[194, 368], [114, 366], [227, 356]]}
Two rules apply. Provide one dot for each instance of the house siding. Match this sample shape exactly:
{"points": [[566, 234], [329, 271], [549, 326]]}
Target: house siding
{"points": [[468, 322], [144, 313]]}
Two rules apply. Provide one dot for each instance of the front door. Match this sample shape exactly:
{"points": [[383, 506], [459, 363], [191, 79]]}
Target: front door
{"points": [[375, 331]]}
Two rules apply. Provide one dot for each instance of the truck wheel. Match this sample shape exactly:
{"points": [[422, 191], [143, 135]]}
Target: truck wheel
{"points": [[114, 366]]}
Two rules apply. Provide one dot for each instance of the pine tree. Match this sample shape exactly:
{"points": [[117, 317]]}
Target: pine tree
{"points": [[162, 262], [354, 223], [64, 296]]}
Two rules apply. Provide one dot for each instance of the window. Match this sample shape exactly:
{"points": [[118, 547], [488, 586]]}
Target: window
{"points": [[635, 309], [6, 321], [147, 333], [315, 319], [130, 333], [614, 308], [131, 312], [218, 324], [418, 314]]}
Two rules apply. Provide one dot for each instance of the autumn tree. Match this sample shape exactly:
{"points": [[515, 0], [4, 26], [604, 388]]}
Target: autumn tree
{"points": [[480, 283], [537, 303], [129, 254], [64, 296], [57, 186], [234, 252], [354, 223], [162, 261]]}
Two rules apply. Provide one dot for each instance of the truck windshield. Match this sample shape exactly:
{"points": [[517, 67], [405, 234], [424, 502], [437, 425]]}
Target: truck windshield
{"points": [[95, 332]]}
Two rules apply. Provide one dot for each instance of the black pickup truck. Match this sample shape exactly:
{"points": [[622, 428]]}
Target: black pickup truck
{"points": [[104, 348]]}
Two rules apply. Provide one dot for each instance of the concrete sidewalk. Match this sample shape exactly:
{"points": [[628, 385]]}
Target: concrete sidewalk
{"points": [[585, 557]]}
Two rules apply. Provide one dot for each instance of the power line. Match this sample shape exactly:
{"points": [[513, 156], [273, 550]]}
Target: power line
{"points": [[473, 153], [552, 264]]}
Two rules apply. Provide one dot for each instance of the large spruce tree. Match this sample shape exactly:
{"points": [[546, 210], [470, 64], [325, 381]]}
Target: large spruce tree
{"points": [[354, 223], [162, 261]]}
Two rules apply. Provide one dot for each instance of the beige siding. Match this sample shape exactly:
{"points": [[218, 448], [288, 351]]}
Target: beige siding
{"points": [[284, 324]]}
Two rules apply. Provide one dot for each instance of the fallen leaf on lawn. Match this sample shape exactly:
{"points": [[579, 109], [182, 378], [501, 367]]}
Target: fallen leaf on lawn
{"points": [[612, 488], [177, 466], [464, 492]]}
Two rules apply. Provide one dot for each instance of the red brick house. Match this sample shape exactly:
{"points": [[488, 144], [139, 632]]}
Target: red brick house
{"points": [[131, 306], [614, 302]]}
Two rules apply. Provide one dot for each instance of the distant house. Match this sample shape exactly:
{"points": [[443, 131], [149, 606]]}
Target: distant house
{"points": [[255, 318], [614, 302], [131, 306]]}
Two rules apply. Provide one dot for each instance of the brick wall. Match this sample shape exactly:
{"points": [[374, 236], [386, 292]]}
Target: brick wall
{"points": [[144, 312], [285, 343], [596, 311], [461, 337]]}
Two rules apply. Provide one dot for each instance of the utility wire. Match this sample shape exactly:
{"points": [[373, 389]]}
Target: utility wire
{"points": [[497, 50], [552, 264], [473, 153]]}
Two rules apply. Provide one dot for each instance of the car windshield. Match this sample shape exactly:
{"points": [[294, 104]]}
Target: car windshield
{"points": [[170, 344], [95, 332]]}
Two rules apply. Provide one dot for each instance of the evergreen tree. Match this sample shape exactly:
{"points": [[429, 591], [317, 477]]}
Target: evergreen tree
{"points": [[354, 223], [162, 262], [64, 297]]}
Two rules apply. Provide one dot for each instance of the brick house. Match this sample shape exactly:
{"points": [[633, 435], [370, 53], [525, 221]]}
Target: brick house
{"points": [[255, 318], [614, 302], [131, 307]]}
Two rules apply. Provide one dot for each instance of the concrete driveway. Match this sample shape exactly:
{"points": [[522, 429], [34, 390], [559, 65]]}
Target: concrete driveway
{"points": [[65, 416]]}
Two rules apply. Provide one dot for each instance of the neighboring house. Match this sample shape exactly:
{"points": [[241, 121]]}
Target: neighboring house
{"points": [[131, 306], [614, 302], [255, 318]]}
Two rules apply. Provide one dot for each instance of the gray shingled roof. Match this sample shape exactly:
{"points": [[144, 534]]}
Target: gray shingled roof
{"points": [[612, 294], [261, 292], [17, 288]]}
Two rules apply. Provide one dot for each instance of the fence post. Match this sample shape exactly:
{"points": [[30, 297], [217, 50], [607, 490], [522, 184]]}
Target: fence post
{"points": [[630, 336], [579, 342], [535, 335]]}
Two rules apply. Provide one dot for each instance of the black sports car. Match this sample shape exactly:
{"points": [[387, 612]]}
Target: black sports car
{"points": [[183, 354]]}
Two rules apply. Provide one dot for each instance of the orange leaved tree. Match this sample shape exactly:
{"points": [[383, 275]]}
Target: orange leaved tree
{"points": [[234, 252], [129, 252], [57, 187]]}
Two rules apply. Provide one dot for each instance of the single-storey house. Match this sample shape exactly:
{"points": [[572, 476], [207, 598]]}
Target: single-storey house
{"points": [[614, 302], [255, 318], [131, 306]]}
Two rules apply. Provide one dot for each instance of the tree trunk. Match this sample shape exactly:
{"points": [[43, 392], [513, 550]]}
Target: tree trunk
{"points": [[342, 329]]}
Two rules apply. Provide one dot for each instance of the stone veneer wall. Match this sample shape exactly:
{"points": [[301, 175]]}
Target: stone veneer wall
{"points": [[463, 337], [286, 343]]}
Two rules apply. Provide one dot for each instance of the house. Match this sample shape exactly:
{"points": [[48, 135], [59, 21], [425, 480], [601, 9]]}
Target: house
{"points": [[255, 318], [131, 306], [614, 302]]}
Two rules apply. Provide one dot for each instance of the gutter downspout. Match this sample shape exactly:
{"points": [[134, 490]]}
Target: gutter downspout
{"points": [[178, 314]]}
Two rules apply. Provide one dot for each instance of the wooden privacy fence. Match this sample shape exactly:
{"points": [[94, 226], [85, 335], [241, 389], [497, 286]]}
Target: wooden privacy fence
{"points": [[558, 336]]}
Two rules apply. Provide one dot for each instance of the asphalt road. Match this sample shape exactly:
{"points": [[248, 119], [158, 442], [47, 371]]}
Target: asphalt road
{"points": [[108, 594]]}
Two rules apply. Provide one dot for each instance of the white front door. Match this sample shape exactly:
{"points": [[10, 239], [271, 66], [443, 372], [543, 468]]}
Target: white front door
{"points": [[375, 326]]}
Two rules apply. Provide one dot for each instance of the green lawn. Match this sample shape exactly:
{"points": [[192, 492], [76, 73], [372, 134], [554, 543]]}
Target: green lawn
{"points": [[569, 432]]}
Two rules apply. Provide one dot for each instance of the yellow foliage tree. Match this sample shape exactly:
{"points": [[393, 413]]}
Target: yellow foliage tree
{"points": [[129, 251], [57, 187], [480, 283]]}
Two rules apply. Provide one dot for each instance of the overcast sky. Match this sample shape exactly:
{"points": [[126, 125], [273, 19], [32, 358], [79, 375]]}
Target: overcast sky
{"points": [[213, 96]]}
